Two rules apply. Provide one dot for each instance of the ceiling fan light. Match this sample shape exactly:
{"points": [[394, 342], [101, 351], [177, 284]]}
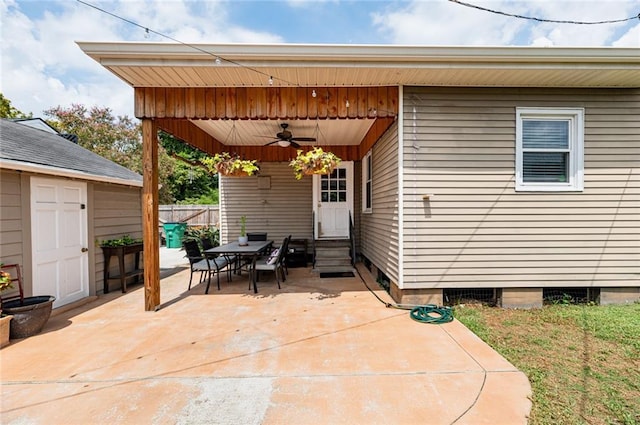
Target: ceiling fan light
{"points": [[284, 143]]}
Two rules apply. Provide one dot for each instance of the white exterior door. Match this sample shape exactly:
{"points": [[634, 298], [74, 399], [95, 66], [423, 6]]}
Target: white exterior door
{"points": [[59, 239], [333, 201]]}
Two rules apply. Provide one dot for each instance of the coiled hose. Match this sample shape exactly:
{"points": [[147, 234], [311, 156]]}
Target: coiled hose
{"points": [[428, 313], [431, 313]]}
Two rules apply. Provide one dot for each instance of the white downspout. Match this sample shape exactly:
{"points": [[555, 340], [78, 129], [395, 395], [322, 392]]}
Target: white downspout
{"points": [[400, 188]]}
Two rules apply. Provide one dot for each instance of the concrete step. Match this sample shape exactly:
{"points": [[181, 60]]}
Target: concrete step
{"points": [[332, 252], [334, 262], [332, 243], [334, 269]]}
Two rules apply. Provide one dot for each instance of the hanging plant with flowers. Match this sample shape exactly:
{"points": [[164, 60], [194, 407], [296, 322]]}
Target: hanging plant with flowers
{"points": [[314, 161], [227, 165], [5, 279]]}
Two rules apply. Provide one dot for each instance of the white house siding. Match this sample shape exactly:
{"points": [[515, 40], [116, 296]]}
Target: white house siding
{"points": [[476, 231], [379, 229], [11, 218], [116, 211], [281, 210]]}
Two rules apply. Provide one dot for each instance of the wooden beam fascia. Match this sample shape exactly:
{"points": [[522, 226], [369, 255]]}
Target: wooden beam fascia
{"points": [[265, 102], [375, 132], [192, 135]]}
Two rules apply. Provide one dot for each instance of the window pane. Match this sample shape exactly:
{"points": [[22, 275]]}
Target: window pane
{"points": [[342, 196], [324, 196], [342, 173], [368, 195], [342, 184], [545, 134], [324, 184], [545, 166]]}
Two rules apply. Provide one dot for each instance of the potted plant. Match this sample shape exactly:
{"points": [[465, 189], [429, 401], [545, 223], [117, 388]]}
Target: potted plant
{"points": [[233, 166], [5, 284], [243, 239], [314, 161], [28, 314]]}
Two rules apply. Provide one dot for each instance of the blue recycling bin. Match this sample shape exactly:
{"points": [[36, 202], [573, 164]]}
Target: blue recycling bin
{"points": [[174, 233]]}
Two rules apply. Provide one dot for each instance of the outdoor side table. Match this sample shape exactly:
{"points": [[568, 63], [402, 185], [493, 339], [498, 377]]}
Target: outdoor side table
{"points": [[123, 275]]}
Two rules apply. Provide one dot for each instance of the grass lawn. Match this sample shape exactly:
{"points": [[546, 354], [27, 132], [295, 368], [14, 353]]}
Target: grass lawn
{"points": [[583, 362]]}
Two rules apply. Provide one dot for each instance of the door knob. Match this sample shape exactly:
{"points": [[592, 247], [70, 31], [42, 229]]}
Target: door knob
{"points": [[84, 249]]}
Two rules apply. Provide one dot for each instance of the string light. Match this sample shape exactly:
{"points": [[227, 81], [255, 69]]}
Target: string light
{"points": [[346, 103], [532, 18], [218, 61], [147, 30], [146, 33], [313, 93]]}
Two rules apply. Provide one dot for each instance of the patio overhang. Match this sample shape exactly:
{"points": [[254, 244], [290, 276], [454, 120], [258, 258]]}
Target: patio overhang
{"points": [[343, 95], [233, 97]]}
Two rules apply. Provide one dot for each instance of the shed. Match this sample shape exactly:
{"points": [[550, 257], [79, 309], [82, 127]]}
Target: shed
{"points": [[58, 200]]}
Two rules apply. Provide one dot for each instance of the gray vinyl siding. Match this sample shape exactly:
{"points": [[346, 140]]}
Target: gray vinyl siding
{"points": [[283, 209], [11, 218], [476, 231], [116, 211], [379, 229]]}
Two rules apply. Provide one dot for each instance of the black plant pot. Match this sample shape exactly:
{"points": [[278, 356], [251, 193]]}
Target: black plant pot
{"points": [[29, 315]]}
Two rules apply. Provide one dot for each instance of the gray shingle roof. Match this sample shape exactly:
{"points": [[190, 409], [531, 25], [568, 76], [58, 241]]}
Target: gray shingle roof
{"points": [[29, 145]]}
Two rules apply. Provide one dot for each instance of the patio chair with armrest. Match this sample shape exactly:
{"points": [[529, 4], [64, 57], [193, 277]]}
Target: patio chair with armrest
{"points": [[273, 262], [231, 259], [206, 265]]}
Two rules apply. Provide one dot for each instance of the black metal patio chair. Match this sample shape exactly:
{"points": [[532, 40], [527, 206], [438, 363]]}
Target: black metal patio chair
{"points": [[206, 265], [274, 262]]}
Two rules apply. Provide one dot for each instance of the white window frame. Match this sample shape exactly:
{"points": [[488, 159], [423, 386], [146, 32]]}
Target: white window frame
{"points": [[367, 177], [575, 118]]}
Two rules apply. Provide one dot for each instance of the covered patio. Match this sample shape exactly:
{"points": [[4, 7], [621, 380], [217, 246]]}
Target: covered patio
{"points": [[317, 351]]}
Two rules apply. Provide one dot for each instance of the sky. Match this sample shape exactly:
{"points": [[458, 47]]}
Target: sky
{"points": [[42, 67]]}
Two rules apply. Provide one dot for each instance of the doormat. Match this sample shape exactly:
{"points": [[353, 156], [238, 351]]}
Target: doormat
{"points": [[336, 274]]}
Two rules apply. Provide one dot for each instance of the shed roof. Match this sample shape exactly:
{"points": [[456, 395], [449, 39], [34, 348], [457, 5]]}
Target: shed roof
{"points": [[31, 149]]}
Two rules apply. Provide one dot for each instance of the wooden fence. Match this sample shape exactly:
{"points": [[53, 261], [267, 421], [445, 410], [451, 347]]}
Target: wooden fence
{"points": [[193, 215]]}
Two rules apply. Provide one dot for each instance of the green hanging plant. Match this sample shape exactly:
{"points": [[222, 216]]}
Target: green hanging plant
{"points": [[227, 165], [314, 161]]}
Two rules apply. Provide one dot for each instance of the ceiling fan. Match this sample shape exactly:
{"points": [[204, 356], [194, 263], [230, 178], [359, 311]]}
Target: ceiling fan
{"points": [[285, 138]]}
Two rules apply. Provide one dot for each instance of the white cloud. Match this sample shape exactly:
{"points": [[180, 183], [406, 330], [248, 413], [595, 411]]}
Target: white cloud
{"points": [[448, 23], [42, 66], [630, 39]]}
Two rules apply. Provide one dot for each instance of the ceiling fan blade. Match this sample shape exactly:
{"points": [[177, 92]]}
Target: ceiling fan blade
{"points": [[294, 145], [304, 139], [271, 143]]}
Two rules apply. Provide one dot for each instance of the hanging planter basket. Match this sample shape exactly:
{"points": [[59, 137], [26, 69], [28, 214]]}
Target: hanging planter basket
{"points": [[231, 166], [315, 161]]}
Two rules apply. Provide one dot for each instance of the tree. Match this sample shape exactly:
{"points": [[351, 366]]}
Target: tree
{"points": [[117, 139], [191, 181], [8, 111]]}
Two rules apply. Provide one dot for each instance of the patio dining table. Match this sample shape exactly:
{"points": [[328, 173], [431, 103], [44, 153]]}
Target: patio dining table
{"points": [[252, 250]]}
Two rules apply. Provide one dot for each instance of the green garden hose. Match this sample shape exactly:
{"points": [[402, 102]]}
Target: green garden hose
{"points": [[431, 313], [419, 313]]}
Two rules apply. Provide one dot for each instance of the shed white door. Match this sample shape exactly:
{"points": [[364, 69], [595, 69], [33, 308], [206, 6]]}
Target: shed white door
{"points": [[59, 239], [333, 201]]}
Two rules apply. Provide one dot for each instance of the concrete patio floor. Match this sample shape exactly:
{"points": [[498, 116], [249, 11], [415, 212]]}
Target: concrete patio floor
{"points": [[319, 351]]}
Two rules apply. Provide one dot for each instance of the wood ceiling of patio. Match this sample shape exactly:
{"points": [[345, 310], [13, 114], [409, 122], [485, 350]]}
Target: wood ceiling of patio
{"points": [[172, 108]]}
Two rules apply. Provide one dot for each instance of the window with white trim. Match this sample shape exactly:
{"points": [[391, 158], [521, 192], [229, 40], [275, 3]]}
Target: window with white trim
{"points": [[549, 149], [367, 183]]}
